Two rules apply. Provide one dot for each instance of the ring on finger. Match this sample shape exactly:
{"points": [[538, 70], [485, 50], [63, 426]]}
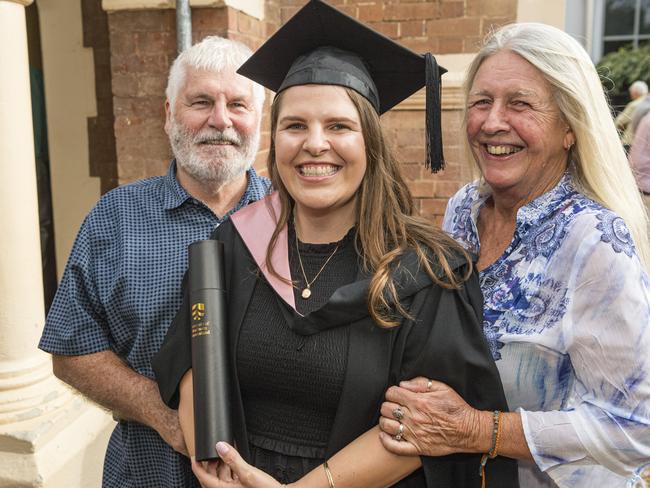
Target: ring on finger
{"points": [[398, 413], [400, 432]]}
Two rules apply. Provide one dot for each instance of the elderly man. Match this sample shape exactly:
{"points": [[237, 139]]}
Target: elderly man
{"points": [[638, 90], [121, 286]]}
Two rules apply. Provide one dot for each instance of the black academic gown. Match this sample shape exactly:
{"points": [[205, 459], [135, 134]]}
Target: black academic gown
{"points": [[443, 341]]}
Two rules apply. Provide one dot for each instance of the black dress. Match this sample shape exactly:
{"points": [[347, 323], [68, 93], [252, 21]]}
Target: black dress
{"points": [[310, 384]]}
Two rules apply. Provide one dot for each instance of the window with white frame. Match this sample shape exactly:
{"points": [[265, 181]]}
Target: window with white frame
{"points": [[625, 22]]}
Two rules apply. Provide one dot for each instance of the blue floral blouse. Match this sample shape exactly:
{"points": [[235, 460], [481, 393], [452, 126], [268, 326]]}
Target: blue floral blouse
{"points": [[567, 317]]}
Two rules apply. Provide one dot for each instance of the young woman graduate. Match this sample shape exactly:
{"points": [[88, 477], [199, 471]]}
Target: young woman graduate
{"points": [[335, 289]]}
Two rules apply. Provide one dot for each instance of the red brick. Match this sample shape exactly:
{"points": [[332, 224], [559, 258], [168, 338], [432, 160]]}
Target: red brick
{"points": [[411, 172], [124, 84], [453, 151], [499, 8], [411, 11], [389, 29], [421, 188], [433, 206], [286, 13], [141, 21], [409, 119], [371, 12], [272, 12], [154, 42], [249, 25], [350, 10], [421, 45], [472, 44], [493, 24], [451, 171], [151, 85], [446, 188], [474, 8], [449, 10], [409, 137], [412, 28], [454, 27], [212, 19], [450, 45], [410, 154]]}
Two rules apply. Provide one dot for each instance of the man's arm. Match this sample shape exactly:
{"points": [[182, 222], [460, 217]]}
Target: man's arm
{"points": [[107, 380]]}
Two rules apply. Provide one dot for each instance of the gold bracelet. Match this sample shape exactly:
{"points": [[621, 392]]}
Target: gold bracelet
{"points": [[328, 473]]}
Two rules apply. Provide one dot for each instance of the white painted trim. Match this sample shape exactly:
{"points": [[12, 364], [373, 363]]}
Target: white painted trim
{"points": [[550, 12], [24, 3]]}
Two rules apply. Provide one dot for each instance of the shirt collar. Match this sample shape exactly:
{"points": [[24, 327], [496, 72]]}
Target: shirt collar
{"points": [[546, 204], [175, 195], [533, 212]]}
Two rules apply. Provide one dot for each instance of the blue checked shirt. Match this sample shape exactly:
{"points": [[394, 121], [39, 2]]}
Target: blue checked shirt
{"points": [[120, 291]]}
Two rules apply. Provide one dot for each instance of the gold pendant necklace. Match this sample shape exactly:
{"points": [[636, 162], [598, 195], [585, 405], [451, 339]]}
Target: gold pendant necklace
{"points": [[306, 291]]}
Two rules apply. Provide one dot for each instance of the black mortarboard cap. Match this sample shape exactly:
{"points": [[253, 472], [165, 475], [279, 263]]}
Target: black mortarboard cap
{"points": [[321, 45]]}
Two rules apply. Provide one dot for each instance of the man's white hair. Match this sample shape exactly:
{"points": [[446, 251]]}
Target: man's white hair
{"points": [[638, 88], [214, 54], [598, 163]]}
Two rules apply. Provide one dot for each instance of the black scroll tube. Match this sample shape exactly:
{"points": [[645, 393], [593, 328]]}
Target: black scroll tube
{"points": [[210, 365]]}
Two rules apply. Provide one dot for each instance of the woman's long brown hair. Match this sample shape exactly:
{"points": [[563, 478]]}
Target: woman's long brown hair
{"points": [[386, 224]]}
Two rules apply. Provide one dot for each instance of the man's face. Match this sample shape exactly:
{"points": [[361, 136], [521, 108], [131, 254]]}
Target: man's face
{"points": [[213, 126]]}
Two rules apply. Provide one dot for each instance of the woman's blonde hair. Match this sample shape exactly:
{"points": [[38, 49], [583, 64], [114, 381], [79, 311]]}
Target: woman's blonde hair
{"points": [[386, 224], [598, 163]]}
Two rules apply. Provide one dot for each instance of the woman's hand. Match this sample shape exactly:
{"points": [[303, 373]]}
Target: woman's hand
{"points": [[436, 421], [231, 472]]}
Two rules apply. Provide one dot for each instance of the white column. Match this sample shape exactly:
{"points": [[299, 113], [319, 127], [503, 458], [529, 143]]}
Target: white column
{"points": [[36, 410], [27, 388]]}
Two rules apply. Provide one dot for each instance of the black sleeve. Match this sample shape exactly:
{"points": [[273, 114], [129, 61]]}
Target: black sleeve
{"points": [[174, 358], [445, 342]]}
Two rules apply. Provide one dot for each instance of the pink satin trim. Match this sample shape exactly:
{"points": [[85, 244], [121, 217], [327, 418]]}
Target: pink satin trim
{"points": [[255, 224]]}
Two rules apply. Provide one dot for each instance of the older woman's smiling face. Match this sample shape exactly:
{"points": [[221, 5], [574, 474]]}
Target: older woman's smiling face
{"points": [[514, 127]]}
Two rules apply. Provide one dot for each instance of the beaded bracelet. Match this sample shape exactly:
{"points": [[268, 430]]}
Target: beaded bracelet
{"points": [[328, 473], [496, 437]]}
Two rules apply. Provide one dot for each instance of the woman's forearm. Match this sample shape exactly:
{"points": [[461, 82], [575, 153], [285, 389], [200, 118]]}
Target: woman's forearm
{"points": [[364, 463], [186, 410]]}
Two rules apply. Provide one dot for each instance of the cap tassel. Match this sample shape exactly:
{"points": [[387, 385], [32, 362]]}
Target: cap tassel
{"points": [[435, 159]]}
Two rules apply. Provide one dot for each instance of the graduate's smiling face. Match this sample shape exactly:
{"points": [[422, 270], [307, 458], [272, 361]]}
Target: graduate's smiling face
{"points": [[320, 151]]}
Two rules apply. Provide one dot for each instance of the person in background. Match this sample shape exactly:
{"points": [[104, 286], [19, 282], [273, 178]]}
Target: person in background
{"points": [[640, 158], [638, 90], [121, 286], [562, 242], [641, 110]]}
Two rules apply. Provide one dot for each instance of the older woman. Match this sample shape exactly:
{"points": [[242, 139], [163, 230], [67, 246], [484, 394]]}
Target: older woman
{"points": [[561, 237], [335, 289]]}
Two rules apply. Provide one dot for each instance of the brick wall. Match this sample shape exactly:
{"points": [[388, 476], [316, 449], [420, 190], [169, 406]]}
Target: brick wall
{"points": [[441, 27], [143, 46]]}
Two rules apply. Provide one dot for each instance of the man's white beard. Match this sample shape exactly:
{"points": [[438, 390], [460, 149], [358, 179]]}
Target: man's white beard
{"points": [[213, 163]]}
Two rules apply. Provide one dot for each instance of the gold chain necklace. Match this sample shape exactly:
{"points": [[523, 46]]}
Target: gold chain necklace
{"points": [[306, 292]]}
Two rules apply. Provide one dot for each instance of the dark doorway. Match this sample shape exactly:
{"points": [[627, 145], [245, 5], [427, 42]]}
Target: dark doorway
{"points": [[48, 257]]}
